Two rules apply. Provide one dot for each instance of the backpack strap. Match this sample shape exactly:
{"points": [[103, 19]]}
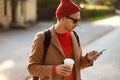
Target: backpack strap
{"points": [[47, 41], [35, 78], [77, 37], [46, 44]]}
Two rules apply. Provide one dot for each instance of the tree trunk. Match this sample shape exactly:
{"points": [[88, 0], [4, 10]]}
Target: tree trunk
{"points": [[117, 4], [14, 10]]}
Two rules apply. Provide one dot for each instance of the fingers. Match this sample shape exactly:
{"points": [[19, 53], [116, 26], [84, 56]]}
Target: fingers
{"points": [[92, 53], [95, 58], [63, 70]]}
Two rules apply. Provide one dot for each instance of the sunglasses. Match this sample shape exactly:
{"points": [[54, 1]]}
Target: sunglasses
{"points": [[74, 20]]}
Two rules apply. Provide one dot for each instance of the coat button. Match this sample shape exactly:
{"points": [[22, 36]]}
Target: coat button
{"points": [[63, 78], [62, 62], [46, 77]]}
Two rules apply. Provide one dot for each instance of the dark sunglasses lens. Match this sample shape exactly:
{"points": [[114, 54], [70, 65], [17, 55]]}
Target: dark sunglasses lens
{"points": [[75, 21]]}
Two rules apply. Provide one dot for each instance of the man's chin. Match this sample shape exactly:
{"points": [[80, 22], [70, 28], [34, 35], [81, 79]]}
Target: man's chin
{"points": [[73, 28]]}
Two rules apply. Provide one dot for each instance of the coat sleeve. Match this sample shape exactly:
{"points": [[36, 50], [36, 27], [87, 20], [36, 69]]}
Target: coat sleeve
{"points": [[85, 62], [35, 68]]}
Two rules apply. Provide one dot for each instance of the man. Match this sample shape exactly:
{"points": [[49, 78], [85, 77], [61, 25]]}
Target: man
{"points": [[63, 45]]}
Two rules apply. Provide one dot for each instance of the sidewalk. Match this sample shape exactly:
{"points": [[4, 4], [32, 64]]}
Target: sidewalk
{"points": [[107, 66], [96, 29]]}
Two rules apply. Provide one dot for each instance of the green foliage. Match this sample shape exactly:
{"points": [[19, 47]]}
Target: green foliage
{"points": [[94, 11], [109, 2], [89, 1], [105, 2], [79, 1], [46, 8], [99, 17]]}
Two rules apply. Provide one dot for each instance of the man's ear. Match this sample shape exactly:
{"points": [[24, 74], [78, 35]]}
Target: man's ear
{"points": [[63, 19]]}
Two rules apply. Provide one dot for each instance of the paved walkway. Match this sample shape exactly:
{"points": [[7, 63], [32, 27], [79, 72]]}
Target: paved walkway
{"points": [[97, 29], [107, 66], [15, 46]]}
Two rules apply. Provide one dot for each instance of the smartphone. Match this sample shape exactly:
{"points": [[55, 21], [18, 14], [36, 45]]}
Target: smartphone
{"points": [[98, 53]]}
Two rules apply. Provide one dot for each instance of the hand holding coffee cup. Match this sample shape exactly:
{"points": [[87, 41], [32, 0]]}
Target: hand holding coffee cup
{"points": [[69, 62]]}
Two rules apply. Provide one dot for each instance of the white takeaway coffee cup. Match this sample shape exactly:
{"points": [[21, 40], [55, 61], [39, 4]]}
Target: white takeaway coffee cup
{"points": [[69, 62]]}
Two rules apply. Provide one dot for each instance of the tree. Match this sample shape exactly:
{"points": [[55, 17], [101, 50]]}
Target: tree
{"points": [[14, 10], [117, 4]]}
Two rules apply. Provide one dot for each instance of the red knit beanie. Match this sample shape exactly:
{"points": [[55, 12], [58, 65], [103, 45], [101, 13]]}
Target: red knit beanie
{"points": [[66, 8]]}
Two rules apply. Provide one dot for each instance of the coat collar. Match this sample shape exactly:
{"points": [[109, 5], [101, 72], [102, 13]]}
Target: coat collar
{"points": [[76, 47], [55, 41]]}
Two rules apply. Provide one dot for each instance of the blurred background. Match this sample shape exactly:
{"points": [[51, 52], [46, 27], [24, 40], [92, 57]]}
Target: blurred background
{"points": [[21, 19], [17, 13]]}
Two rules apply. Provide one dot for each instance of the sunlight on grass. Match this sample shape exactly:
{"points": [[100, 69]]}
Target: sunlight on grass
{"points": [[99, 17], [96, 7]]}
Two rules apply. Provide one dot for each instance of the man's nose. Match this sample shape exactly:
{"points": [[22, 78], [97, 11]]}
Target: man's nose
{"points": [[77, 24]]}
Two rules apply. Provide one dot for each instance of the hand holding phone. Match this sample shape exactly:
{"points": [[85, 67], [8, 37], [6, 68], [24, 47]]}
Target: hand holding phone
{"points": [[97, 54]]}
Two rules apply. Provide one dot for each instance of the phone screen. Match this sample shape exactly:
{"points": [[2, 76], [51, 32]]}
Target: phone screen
{"points": [[98, 53]]}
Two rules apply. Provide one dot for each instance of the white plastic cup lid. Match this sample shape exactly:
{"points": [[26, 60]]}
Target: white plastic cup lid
{"points": [[68, 61]]}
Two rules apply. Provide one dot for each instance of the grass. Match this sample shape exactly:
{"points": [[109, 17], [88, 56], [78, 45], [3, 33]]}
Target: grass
{"points": [[98, 7], [98, 17]]}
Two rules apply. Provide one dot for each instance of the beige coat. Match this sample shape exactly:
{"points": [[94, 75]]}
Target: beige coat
{"points": [[55, 56]]}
